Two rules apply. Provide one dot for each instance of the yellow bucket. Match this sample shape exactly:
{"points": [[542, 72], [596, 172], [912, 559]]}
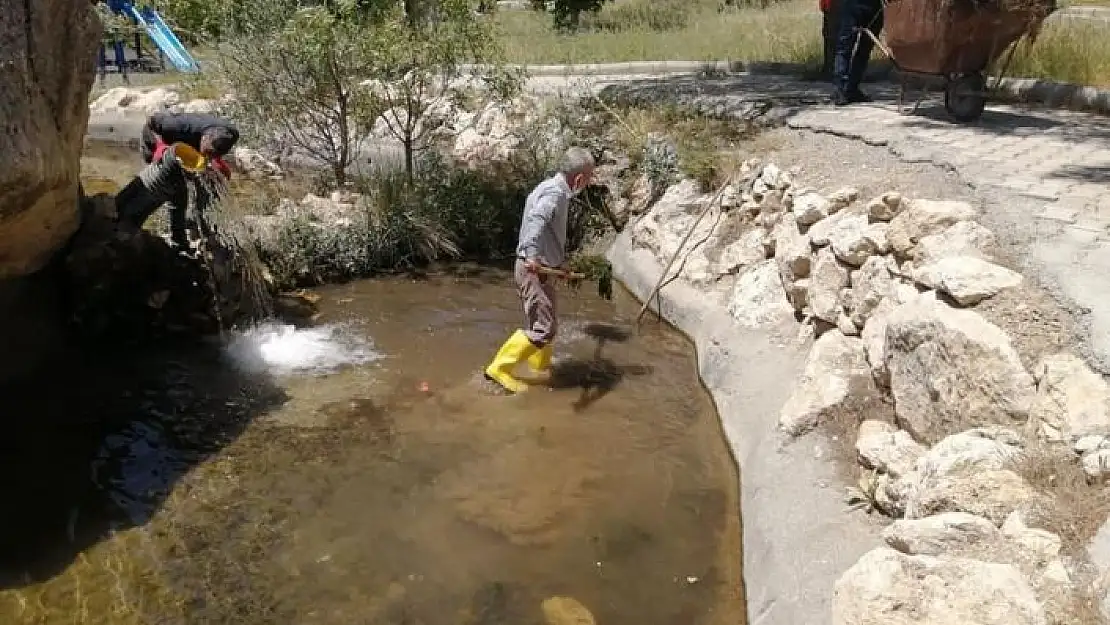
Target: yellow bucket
{"points": [[190, 159]]}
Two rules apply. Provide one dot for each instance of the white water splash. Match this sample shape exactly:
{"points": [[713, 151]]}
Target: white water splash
{"points": [[282, 349]]}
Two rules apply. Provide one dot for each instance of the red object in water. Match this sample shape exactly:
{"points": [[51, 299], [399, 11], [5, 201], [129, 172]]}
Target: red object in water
{"points": [[424, 388]]}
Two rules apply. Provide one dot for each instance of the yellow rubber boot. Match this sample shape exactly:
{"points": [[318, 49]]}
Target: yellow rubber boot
{"points": [[515, 350], [540, 362], [540, 365]]}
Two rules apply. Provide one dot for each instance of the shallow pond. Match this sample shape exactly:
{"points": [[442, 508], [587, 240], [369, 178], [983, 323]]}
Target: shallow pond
{"points": [[361, 471]]}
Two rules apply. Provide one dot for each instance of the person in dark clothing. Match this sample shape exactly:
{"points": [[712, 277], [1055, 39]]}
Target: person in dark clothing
{"points": [[211, 136], [853, 47], [830, 22]]}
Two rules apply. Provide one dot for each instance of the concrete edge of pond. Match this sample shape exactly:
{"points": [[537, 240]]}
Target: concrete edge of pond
{"points": [[798, 533]]}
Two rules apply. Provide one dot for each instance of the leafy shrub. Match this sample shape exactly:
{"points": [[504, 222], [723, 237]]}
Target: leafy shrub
{"points": [[445, 213], [566, 13]]}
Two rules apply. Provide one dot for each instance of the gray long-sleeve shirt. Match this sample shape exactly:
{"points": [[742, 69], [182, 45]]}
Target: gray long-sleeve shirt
{"points": [[543, 228]]}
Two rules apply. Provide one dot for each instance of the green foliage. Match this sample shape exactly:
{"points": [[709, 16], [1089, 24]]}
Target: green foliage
{"points": [[299, 86], [597, 269], [321, 81], [566, 14], [444, 213], [418, 62], [196, 20]]}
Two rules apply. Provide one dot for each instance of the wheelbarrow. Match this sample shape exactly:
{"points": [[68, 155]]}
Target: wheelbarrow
{"points": [[957, 40]]}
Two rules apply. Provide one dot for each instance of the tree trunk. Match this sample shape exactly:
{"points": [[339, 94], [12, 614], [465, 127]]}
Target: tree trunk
{"points": [[409, 173], [412, 12]]}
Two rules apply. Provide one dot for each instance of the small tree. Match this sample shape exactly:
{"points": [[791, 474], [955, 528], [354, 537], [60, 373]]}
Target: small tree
{"points": [[419, 64], [299, 86], [565, 13]]}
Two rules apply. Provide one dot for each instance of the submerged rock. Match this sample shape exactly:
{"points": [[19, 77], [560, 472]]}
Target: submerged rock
{"points": [[566, 611]]}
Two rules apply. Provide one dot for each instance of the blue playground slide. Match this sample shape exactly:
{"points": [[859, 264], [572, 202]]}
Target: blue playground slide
{"points": [[160, 33]]}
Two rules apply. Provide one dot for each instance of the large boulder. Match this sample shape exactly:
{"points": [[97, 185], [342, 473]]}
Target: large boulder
{"points": [[853, 240], [886, 587], [951, 370], [828, 278], [884, 448], [939, 534], [968, 472], [967, 279], [1072, 401], [48, 49], [758, 300], [923, 218], [836, 380], [966, 238]]}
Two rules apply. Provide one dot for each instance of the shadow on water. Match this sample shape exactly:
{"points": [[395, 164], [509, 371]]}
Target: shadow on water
{"points": [[97, 446], [597, 376]]}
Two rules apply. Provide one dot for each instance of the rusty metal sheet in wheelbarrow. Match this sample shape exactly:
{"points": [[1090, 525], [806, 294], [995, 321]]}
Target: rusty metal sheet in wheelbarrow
{"points": [[946, 37]]}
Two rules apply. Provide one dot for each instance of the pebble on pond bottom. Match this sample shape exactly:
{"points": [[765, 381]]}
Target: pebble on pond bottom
{"points": [[566, 611]]}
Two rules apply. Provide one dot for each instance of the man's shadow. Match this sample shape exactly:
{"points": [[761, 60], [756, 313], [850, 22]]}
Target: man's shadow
{"points": [[598, 375]]}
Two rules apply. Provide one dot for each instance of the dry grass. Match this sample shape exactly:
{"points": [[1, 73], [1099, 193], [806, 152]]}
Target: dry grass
{"points": [[708, 150], [1074, 509], [1072, 51], [788, 31], [1068, 50]]}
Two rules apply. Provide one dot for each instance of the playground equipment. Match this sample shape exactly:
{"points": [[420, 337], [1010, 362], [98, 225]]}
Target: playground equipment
{"points": [[159, 32]]}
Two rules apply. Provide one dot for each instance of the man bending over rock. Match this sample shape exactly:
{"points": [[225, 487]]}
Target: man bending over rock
{"points": [[541, 255], [212, 136], [168, 180]]}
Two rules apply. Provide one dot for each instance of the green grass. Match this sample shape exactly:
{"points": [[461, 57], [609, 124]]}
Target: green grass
{"points": [[787, 31], [1072, 51]]}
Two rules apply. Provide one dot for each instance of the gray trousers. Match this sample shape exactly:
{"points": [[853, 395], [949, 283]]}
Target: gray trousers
{"points": [[537, 294], [160, 183]]}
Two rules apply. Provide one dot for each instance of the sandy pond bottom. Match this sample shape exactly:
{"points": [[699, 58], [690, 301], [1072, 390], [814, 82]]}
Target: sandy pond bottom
{"points": [[361, 472]]}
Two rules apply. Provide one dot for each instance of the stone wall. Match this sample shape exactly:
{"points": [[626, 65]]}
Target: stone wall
{"points": [[909, 405]]}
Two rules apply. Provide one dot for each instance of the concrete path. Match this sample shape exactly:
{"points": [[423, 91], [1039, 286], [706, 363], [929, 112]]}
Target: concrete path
{"points": [[1044, 175]]}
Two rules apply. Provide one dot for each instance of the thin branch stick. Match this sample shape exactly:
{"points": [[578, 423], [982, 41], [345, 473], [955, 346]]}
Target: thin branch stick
{"points": [[708, 206]]}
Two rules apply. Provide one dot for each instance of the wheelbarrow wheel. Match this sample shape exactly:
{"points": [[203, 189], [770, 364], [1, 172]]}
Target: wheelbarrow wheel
{"points": [[965, 97]]}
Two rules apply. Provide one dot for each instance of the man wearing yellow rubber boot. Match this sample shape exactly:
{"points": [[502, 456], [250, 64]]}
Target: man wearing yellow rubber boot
{"points": [[541, 248]]}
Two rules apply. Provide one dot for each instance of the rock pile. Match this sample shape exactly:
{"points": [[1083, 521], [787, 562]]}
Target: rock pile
{"points": [[945, 410], [132, 285]]}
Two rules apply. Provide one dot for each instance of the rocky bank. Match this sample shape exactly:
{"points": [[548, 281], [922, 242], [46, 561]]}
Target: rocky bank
{"points": [[48, 51], [871, 306]]}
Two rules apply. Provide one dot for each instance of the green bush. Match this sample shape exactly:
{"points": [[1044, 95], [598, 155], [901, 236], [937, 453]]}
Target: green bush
{"points": [[444, 213], [565, 14]]}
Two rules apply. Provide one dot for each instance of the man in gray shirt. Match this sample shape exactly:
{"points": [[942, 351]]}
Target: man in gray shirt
{"points": [[541, 249]]}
